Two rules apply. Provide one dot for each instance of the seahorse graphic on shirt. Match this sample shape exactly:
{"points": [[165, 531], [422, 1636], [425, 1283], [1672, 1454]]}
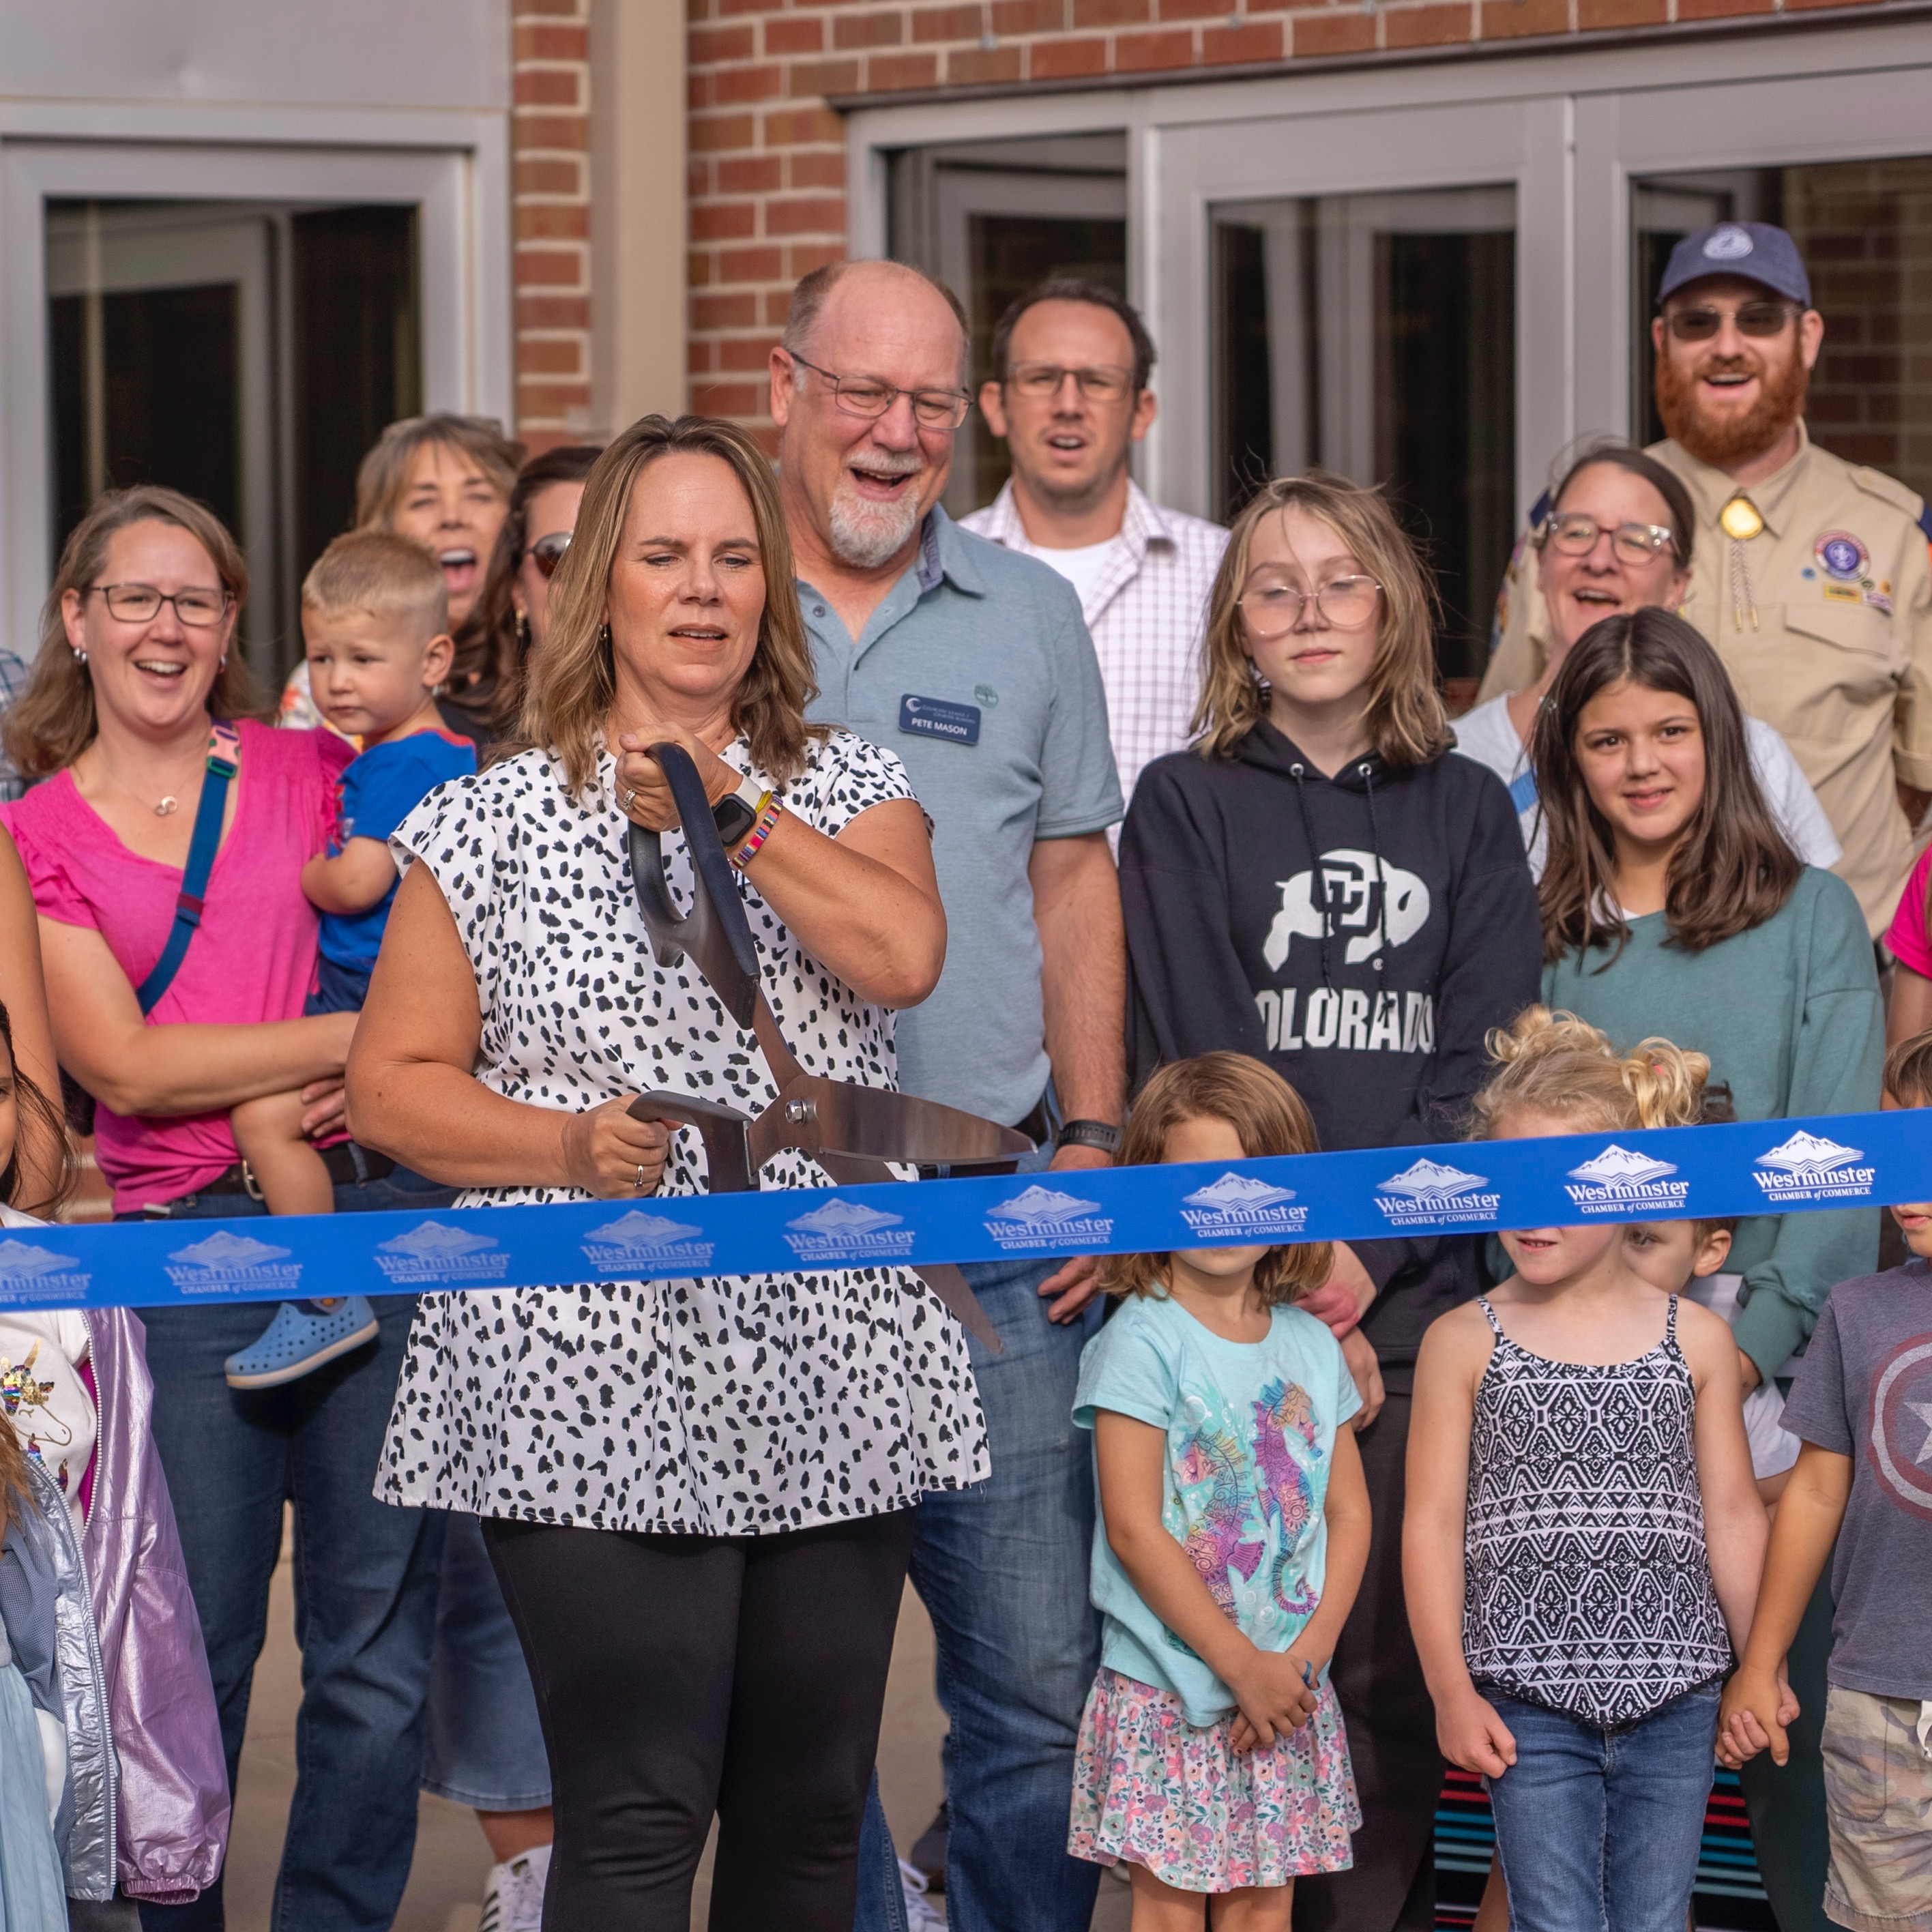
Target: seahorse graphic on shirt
{"points": [[1214, 1539], [1286, 1494]]}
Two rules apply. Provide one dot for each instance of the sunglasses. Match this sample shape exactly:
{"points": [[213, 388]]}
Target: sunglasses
{"points": [[547, 553], [1758, 319]]}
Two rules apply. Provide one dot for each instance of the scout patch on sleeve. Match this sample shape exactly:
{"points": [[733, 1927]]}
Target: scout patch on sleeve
{"points": [[1843, 557]]}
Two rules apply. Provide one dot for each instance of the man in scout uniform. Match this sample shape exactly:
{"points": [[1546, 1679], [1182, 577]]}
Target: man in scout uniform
{"points": [[1810, 575]]}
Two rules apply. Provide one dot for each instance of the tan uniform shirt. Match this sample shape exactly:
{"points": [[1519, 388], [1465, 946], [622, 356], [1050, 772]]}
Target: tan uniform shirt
{"points": [[1824, 621]]}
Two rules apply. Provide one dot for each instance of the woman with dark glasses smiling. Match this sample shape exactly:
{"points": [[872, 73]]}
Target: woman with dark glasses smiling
{"points": [[511, 616]]}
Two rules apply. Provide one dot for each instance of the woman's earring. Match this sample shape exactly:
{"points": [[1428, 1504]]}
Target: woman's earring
{"points": [[604, 635], [80, 657], [223, 665], [523, 632]]}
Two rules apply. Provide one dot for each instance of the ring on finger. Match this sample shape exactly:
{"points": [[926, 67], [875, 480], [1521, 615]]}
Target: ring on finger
{"points": [[630, 798], [638, 1183]]}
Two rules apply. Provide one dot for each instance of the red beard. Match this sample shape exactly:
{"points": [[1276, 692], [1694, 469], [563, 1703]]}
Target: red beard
{"points": [[1723, 441]]}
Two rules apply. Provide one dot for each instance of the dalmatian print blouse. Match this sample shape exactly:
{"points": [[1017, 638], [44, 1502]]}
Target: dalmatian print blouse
{"points": [[718, 1406]]}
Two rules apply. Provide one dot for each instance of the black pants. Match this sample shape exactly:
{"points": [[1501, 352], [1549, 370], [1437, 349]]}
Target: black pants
{"points": [[679, 1676], [1391, 1722]]}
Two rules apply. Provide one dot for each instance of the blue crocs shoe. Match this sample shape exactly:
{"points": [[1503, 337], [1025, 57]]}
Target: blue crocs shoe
{"points": [[303, 1335]]}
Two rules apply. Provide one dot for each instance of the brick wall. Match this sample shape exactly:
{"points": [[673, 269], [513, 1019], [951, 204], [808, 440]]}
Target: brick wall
{"points": [[767, 155], [550, 202]]}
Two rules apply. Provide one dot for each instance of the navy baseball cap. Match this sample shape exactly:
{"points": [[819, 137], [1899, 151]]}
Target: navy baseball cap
{"points": [[1752, 249]]}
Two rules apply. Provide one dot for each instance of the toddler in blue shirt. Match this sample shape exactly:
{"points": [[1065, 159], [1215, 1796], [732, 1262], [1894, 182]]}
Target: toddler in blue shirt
{"points": [[375, 615]]}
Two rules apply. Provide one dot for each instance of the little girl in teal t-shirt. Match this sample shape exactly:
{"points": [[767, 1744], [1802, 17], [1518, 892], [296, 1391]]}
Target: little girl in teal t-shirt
{"points": [[1233, 1530]]}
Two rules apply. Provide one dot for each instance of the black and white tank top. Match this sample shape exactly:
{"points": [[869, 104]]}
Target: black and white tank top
{"points": [[1587, 1586]]}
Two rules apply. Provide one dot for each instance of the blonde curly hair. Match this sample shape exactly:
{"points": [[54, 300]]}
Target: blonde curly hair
{"points": [[1555, 1063]]}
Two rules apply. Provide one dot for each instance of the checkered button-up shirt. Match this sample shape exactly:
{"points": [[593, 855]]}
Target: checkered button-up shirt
{"points": [[1147, 612], [13, 681]]}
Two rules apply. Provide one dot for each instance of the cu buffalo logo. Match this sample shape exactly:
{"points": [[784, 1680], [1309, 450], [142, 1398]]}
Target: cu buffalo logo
{"points": [[1365, 895]]}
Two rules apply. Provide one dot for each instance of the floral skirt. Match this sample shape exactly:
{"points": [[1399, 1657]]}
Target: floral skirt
{"points": [[1152, 1789]]}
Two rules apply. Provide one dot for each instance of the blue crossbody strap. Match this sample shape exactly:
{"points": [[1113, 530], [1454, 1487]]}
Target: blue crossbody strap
{"points": [[224, 752]]}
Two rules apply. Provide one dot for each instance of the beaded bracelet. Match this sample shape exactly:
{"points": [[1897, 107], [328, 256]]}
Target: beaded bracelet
{"points": [[760, 833]]}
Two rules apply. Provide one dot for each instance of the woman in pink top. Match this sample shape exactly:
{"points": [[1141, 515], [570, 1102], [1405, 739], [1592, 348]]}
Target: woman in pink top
{"points": [[1908, 1011], [134, 668]]}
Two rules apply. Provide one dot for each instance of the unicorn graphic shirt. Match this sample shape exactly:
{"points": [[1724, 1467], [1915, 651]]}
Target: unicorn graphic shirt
{"points": [[1250, 1429]]}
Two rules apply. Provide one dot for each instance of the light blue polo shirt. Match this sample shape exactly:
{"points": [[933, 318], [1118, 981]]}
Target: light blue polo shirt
{"points": [[977, 670]]}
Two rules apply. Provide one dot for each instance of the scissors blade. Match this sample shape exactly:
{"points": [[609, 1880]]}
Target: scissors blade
{"points": [[875, 1124]]}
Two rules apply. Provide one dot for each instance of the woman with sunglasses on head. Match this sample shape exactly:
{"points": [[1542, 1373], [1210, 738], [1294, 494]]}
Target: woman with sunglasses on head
{"points": [[1317, 883], [1618, 538], [511, 617]]}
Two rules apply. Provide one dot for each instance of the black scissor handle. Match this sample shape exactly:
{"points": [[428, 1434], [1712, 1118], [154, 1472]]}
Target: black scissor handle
{"points": [[716, 932]]}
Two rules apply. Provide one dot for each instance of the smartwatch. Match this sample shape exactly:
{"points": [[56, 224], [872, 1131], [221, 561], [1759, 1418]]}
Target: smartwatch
{"points": [[1088, 1133], [737, 811]]}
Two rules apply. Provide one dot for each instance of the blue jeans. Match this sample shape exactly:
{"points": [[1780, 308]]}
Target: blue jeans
{"points": [[1002, 1569], [366, 1579], [1599, 1830]]}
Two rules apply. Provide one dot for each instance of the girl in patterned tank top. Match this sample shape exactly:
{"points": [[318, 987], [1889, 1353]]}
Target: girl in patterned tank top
{"points": [[1583, 1537]]}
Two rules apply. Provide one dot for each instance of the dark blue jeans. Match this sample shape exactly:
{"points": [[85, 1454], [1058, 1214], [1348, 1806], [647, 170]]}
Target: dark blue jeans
{"points": [[1002, 1569], [1599, 1830], [366, 1578]]}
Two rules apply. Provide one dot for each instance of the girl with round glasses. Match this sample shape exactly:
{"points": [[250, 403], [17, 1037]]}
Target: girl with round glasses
{"points": [[1315, 883], [1618, 539]]}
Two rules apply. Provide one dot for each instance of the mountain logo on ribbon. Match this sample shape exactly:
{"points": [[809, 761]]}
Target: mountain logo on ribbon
{"points": [[1235, 1192], [1042, 1207], [20, 1261], [1617, 1166], [433, 1240], [1429, 1181], [639, 1240], [433, 1251], [224, 1250], [843, 1220], [637, 1229], [1428, 1193], [29, 1274], [1809, 1156], [848, 1232], [227, 1260], [1808, 1167]]}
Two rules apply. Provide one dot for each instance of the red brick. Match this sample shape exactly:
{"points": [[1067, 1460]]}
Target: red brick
{"points": [[716, 134], [801, 257], [551, 399], [546, 87], [948, 23], [546, 42], [1029, 16], [1065, 60], [818, 170], [806, 78], [1594, 15], [751, 174], [1713, 9], [1336, 30], [814, 215], [1193, 9], [570, 131], [777, 306], [732, 85], [1109, 12], [737, 310], [794, 36], [750, 264], [548, 356], [549, 267], [746, 355], [552, 221], [723, 220], [552, 311], [1257, 41], [698, 89], [696, 179], [709, 45], [801, 127], [698, 264], [1429, 26], [980, 67], [1506, 19], [878, 27], [731, 399], [697, 358], [567, 9], [547, 176], [886, 71], [1136, 53], [537, 440], [726, 8]]}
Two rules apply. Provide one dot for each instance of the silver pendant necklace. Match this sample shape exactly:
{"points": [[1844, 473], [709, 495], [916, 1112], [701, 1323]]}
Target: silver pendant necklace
{"points": [[167, 806]]}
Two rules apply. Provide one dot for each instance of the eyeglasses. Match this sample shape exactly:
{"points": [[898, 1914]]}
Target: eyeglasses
{"points": [[863, 396], [1041, 381], [547, 553], [137, 603], [1758, 319], [1273, 610], [1575, 535]]}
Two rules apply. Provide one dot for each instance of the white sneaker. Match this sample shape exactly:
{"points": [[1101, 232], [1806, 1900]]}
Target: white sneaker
{"points": [[921, 1915], [513, 1899]]}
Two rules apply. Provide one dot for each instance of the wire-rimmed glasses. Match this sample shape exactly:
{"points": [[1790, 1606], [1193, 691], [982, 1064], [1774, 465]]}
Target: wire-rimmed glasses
{"points": [[1273, 610], [867, 396], [1575, 533], [1040, 381], [141, 603]]}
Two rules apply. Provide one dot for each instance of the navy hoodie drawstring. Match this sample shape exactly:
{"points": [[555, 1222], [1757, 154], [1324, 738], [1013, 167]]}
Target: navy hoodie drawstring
{"points": [[1367, 773], [1319, 879]]}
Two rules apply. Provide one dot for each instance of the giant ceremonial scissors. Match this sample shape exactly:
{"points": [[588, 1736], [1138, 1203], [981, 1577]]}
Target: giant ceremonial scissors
{"points": [[852, 1132]]}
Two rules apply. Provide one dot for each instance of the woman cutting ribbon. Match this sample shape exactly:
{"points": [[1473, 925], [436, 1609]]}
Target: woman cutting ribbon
{"points": [[697, 1492]]}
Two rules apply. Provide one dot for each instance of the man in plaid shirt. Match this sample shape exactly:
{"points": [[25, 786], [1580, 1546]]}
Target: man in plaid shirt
{"points": [[1071, 398], [12, 682]]}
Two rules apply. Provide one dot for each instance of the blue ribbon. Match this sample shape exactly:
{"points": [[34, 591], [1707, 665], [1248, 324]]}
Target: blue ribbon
{"points": [[1846, 1160]]}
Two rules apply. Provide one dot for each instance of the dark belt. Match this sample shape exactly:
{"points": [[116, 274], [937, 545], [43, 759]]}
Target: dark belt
{"points": [[1037, 1126], [341, 1161]]}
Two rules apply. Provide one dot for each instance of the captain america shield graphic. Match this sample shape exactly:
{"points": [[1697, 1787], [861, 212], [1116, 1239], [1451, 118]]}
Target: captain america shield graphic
{"points": [[1901, 1444]]}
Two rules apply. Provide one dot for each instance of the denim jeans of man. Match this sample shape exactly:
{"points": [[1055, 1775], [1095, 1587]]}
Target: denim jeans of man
{"points": [[365, 1574], [1599, 1830], [1002, 1569]]}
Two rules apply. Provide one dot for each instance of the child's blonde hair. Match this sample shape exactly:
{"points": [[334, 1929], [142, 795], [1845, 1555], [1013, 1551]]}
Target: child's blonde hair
{"points": [[1908, 1071], [376, 574], [1268, 1117], [1555, 1063]]}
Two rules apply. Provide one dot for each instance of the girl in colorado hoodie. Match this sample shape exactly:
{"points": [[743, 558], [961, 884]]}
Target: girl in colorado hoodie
{"points": [[1320, 882]]}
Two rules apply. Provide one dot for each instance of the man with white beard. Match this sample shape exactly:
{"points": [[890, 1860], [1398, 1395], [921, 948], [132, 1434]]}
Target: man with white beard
{"points": [[1810, 575], [973, 664]]}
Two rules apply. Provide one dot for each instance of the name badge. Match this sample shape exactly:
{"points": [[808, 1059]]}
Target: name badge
{"points": [[938, 718]]}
